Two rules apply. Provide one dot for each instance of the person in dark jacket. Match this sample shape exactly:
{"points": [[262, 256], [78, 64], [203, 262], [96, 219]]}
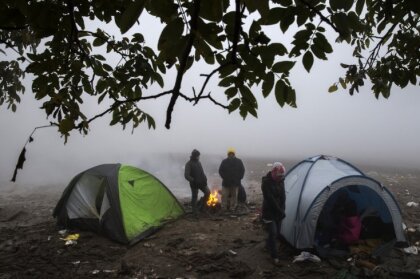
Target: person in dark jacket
{"points": [[194, 173], [273, 209], [232, 171]]}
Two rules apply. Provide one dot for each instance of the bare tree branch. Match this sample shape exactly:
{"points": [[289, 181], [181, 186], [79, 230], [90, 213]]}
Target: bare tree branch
{"points": [[232, 60], [183, 63]]}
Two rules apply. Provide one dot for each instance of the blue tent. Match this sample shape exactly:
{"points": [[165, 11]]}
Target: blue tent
{"points": [[315, 183]]}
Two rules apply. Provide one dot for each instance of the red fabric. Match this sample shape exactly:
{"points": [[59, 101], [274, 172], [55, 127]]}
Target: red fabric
{"points": [[278, 171], [349, 229]]}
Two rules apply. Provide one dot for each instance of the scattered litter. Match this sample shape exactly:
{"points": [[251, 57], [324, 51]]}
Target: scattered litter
{"points": [[62, 232], [72, 237], [233, 252], [412, 204], [96, 271], [70, 242], [189, 268], [411, 250], [49, 237], [306, 256], [160, 251], [412, 230], [109, 270], [147, 244], [76, 262]]}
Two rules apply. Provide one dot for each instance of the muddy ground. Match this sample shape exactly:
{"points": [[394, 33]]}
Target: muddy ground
{"points": [[214, 246]]}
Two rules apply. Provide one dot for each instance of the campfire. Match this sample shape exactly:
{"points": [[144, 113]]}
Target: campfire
{"points": [[213, 203], [213, 199]]}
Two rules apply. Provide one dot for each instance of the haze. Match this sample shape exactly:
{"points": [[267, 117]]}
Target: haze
{"points": [[357, 128]]}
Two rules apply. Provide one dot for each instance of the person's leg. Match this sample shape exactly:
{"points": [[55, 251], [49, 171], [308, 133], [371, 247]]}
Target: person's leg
{"points": [[233, 198], [272, 239], [206, 192], [225, 198], [194, 194]]}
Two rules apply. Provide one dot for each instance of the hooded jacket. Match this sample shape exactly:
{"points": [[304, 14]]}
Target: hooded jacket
{"points": [[274, 198], [194, 173]]}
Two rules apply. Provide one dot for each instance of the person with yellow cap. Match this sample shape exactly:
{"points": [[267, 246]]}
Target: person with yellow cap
{"points": [[231, 171]]}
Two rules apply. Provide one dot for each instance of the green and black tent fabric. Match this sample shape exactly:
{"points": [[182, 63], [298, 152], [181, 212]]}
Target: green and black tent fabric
{"points": [[122, 202]]}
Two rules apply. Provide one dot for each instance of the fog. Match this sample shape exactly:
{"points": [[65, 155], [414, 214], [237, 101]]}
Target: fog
{"points": [[359, 128]]}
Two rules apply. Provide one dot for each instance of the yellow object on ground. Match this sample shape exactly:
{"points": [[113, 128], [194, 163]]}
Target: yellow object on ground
{"points": [[74, 236]]}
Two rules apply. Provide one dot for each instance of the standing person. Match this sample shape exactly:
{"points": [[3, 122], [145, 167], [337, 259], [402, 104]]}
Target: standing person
{"points": [[232, 171], [194, 173], [273, 210]]}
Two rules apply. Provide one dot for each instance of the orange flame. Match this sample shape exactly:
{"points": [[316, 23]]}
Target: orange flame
{"points": [[213, 200]]}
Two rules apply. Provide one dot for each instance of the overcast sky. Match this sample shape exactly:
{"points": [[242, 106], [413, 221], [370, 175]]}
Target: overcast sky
{"points": [[358, 128]]}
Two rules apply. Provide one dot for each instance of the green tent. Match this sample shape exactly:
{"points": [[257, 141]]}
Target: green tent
{"points": [[122, 202]]}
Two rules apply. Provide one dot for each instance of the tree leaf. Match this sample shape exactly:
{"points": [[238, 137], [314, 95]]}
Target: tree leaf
{"points": [[171, 34], [359, 6], [283, 66], [231, 92], [268, 84], [308, 60], [333, 88], [280, 92], [130, 15], [234, 105]]}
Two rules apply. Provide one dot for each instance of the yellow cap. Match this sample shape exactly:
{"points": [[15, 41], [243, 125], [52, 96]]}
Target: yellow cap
{"points": [[231, 150]]}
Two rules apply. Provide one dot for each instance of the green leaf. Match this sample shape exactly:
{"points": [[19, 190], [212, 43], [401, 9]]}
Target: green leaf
{"points": [[308, 61], [247, 96], [65, 126], [227, 81], [341, 4], [343, 83], [212, 10], [98, 42], [287, 20], [150, 122], [319, 53], [280, 92], [278, 49], [234, 105], [268, 84], [359, 6], [231, 92], [333, 88], [130, 15], [283, 66], [274, 16], [341, 21], [171, 34], [323, 43]]}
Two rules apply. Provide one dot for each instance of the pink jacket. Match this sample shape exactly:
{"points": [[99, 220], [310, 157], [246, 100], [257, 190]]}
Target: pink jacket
{"points": [[349, 229]]}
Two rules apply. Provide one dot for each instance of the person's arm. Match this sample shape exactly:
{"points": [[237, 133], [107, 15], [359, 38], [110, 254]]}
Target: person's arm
{"points": [[222, 170], [268, 196], [283, 198], [204, 174], [187, 173], [241, 169]]}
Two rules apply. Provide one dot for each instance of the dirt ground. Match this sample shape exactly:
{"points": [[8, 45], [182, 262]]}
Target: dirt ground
{"points": [[214, 246]]}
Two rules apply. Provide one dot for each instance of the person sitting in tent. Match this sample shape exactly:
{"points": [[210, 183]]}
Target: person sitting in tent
{"points": [[273, 209], [350, 225], [194, 173]]}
